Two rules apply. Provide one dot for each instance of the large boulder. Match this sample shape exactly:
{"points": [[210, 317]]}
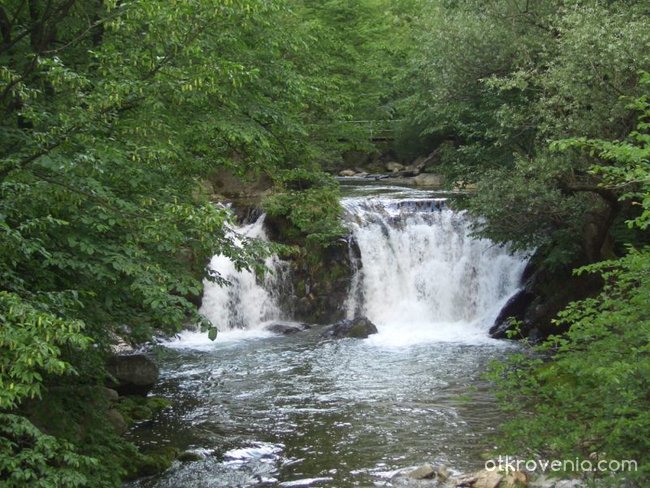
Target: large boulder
{"points": [[543, 294], [358, 328], [135, 374]]}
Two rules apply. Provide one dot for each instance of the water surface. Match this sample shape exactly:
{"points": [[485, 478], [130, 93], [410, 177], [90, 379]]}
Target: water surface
{"points": [[273, 410]]}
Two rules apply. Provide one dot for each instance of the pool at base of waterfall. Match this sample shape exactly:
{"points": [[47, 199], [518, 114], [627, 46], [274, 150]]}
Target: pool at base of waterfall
{"points": [[299, 411]]}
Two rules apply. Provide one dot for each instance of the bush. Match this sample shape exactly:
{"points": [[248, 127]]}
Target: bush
{"points": [[305, 209], [585, 393]]}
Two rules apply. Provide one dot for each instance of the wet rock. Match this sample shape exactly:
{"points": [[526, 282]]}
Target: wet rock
{"points": [[428, 179], [110, 395], [517, 479], [394, 167], [487, 479], [117, 421], [320, 280], [358, 328], [287, 328], [442, 473], [152, 463], [347, 172], [136, 408], [544, 293], [426, 471], [513, 310], [190, 456], [132, 375]]}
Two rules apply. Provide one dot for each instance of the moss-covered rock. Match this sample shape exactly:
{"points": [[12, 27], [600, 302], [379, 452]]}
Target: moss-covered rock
{"points": [[320, 279], [152, 462], [189, 456], [137, 408]]}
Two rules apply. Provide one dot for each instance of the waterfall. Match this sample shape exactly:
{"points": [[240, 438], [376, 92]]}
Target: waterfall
{"points": [[421, 275], [247, 302]]}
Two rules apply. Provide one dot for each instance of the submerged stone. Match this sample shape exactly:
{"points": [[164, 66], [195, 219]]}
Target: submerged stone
{"points": [[358, 328]]}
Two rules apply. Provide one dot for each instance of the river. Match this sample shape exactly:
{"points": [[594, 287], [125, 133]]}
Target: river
{"points": [[265, 410]]}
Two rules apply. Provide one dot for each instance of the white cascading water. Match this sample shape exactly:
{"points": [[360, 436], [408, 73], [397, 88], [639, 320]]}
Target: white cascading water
{"points": [[244, 304], [422, 276]]}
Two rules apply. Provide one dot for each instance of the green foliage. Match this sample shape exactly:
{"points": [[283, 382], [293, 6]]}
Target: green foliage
{"points": [[590, 392], [306, 206], [30, 458], [626, 163], [64, 440], [113, 113], [501, 81], [31, 341]]}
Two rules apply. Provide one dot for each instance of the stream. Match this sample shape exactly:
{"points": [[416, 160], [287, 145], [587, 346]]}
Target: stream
{"points": [[258, 409]]}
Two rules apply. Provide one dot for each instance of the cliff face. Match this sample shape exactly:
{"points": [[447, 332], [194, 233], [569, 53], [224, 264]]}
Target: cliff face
{"points": [[530, 312], [318, 278]]}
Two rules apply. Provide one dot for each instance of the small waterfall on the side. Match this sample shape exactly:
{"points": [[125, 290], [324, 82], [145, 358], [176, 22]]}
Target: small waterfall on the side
{"points": [[422, 276], [244, 303]]}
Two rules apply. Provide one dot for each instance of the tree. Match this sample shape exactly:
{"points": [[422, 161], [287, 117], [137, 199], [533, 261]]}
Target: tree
{"points": [[502, 82], [586, 393], [114, 113]]}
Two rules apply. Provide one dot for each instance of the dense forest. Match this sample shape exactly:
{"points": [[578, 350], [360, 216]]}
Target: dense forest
{"points": [[115, 113]]}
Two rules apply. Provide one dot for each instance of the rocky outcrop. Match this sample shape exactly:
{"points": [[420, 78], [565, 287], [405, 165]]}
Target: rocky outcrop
{"points": [[117, 422], [358, 328], [319, 279], [543, 294], [512, 313], [287, 328], [135, 374]]}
